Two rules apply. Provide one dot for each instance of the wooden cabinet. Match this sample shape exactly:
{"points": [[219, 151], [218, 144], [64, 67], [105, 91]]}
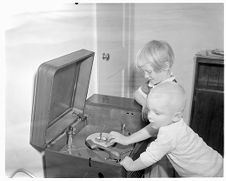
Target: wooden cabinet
{"points": [[62, 119], [207, 116]]}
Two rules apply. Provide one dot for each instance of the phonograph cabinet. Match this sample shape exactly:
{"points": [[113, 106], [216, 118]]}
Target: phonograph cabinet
{"points": [[63, 118]]}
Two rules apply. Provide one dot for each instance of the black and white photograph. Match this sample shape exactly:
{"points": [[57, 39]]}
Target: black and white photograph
{"points": [[118, 89]]}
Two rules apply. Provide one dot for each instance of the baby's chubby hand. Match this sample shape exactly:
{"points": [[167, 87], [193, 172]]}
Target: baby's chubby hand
{"points": [[115, 137], [126, 163]]}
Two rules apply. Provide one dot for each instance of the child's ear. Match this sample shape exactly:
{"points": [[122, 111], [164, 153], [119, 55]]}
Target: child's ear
{"points": [[177, 116]]}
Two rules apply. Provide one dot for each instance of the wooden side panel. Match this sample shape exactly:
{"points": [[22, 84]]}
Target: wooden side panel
{"points": [[82, 85]]}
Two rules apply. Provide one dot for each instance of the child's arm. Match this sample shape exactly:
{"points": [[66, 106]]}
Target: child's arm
{"points": [[140, 97], [141, 93], [131, 165], [142, 134], [138, 136], [163, 144]]}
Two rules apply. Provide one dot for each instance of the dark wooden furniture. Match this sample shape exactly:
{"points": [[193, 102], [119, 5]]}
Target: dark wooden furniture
{"points": [[62, 119], [207, 116]]}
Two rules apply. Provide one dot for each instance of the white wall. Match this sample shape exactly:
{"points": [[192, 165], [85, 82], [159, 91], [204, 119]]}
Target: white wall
{"points": [[188, 28], [33, 36]]}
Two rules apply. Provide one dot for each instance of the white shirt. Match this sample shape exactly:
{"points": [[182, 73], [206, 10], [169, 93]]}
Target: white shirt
{"points": [[187, 152]]}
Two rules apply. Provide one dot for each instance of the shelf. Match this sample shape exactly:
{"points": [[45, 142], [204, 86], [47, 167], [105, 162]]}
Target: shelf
{"points": [[209, 90]]}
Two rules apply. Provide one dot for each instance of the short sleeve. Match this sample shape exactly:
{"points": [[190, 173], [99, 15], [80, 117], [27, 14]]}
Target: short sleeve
{"points": [[158, 148]]}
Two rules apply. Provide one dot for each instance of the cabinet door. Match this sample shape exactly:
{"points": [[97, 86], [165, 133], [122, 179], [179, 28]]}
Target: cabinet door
{"points": [[208, 116]]}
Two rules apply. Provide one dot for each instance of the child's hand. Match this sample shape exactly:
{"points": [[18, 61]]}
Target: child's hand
{"points": [[115, 137], [126, 163]]}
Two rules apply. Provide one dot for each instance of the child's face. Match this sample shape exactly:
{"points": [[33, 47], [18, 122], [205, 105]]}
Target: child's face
{"points": [[151, 75], [159, 114]]}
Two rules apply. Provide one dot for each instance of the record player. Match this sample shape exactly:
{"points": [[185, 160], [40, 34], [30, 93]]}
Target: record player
{"points": [[71, 130]]}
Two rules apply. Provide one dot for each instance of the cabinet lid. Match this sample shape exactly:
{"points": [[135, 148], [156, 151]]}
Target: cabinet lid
{"points": [[60, 91]]}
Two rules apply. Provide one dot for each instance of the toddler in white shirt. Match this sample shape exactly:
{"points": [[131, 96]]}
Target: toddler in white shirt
{"points": [[187, 152]]}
